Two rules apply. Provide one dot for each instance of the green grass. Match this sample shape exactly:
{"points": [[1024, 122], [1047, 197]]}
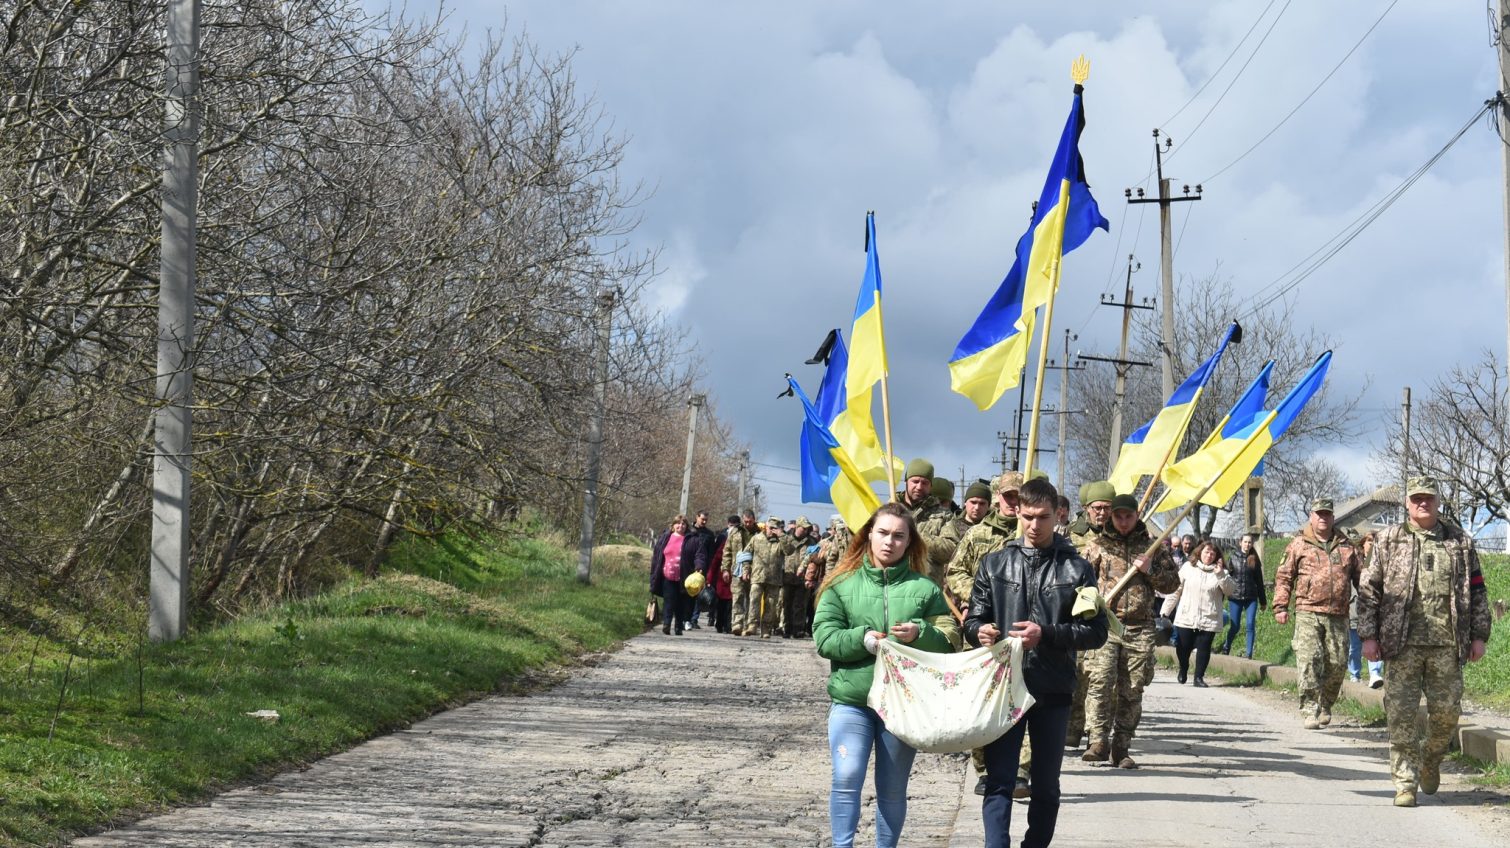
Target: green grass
{"points": [[1486, 682], [365, 658], [1495, 775]]}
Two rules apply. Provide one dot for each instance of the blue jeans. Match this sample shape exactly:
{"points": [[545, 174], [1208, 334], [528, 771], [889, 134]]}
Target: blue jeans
{"points": [[1045, 728], [852, 733], [1240, 612], [1355, 658]]}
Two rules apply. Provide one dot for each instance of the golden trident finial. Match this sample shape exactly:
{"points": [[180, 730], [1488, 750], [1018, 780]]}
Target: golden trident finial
{"points": [[1080, 71]]}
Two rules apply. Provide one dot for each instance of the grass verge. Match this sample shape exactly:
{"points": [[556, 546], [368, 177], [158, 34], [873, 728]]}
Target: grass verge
{"points": [[1496, 775], [92, 740]]}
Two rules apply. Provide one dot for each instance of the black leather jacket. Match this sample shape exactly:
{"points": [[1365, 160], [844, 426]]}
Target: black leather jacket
{"points": [[1020, 583]]}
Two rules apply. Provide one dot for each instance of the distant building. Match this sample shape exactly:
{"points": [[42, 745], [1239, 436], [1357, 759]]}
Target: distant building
{"points": [[1371, 512]]}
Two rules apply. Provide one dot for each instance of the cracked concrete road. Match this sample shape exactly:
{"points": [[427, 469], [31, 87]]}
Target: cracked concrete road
{"points": [[708, 740]]}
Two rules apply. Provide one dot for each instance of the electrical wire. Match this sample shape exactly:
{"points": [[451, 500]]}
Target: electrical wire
{"points": [[1223, 96], [1181, 240], [1321, 255], [1307, 99], [1218, 72]]}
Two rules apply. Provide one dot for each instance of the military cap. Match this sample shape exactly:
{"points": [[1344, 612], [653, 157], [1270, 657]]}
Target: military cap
{"points": [[1038, 474], [774, 520], [1099, 490], [943, 489], [1083, 496], [1127, 502], [1010, 481], [1422, 486], [978, 489], [919, 468], [803, 522], [1321, 505]]}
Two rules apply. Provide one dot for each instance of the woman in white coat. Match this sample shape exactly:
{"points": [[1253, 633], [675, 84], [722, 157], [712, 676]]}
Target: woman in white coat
{"points": [[1197, 607]]}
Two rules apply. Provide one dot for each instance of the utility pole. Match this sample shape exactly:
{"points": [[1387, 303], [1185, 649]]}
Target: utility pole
{"points": [[744, 479], [1064, 368], [694, 403], [168, 582], [1122, 363], [1005, 437], [1404, 442], [595, 437], [1503, 118], [1166, 252], [1022, 408]]}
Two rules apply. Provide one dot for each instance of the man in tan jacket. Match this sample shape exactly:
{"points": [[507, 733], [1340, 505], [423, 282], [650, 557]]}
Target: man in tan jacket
{"points": [[1320, 569]]}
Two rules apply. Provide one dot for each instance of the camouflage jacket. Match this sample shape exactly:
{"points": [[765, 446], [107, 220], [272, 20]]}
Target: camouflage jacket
{"points": [[1081, 532], [1111, 555], [1389, 581], [770, 557], [936, 524], [984, 538], [738, 539], [793, 570], [1320, 578], [838, 543]]}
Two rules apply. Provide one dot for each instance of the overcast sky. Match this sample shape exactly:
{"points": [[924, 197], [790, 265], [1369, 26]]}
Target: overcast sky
{"points": [[766, 130]]}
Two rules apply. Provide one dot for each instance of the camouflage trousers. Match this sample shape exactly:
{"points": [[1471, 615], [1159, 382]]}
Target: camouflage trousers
{"points": [[1321, 645], [765, 608], [793, 608], [740, 589], [1416, 671], [1077, 702], [1116, 675]]}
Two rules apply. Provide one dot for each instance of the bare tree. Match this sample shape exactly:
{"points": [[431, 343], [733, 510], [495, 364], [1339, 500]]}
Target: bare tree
{"points": [[1460, 435]]}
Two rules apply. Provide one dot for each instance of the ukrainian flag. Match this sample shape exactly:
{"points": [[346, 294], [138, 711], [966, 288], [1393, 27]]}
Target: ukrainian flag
{"points": [[1151, 446], [990, 358], [858, 439], [1229, 460], [828, 474], [855, 428]]}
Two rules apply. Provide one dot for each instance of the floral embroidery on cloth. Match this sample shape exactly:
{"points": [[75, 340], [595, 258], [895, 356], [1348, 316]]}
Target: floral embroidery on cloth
{"points": [[944, 703]]}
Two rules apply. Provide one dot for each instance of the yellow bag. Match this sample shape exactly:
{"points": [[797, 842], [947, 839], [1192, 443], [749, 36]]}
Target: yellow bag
{"points": [[694, 583]]}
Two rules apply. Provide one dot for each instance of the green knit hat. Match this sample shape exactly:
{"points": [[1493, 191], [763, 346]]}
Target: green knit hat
{"points": [[919, 468], [943, 489], [979, 489], [1099, 490]]}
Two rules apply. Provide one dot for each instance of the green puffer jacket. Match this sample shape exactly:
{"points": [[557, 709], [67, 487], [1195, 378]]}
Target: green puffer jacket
{"points": [[860, 602]]}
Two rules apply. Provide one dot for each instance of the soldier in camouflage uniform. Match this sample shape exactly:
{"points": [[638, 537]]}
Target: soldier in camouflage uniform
{"points": [[991, 534], [976, 507], [1320, 567], [943, 489], [793, 572], [1423, 608], [1123, 667], [738, 542], [935, 521], [1096, 500], [839, 536], [770, 550]]}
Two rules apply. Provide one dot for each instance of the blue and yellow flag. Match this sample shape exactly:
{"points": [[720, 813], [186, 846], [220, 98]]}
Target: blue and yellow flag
{"points": [[1227, 461], [990, 358], [855, 428], [1151, 446], [828, 474]]}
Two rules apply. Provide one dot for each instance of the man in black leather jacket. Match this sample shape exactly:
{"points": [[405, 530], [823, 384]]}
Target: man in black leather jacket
{"points": [[1027, 590]]}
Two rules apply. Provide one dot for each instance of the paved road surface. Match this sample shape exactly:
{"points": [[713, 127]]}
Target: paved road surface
{"points": [[708, 740]]}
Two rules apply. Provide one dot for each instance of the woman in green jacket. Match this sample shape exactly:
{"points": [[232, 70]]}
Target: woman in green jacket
{"points": [[877, 591]]}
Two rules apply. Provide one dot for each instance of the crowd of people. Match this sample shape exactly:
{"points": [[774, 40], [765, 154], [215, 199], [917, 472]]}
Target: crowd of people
{"points": [[1009, 562]]}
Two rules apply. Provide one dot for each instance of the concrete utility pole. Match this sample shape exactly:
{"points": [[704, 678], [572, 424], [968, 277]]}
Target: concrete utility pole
{"points": [[694, 403], [167, 608], [1122, 363], [1404, 441], [744, 479], [1166, 253], [595, 437], [1503, 49], [1064, 368], [1005, 437]]}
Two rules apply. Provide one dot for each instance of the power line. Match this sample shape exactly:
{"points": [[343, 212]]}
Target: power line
{"points": [[1335, 244], [1223, 96], [1324, 80], [1218, 72]]}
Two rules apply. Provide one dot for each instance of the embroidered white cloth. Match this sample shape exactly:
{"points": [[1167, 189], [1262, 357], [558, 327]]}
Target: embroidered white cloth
{"points": [[944, 703]]}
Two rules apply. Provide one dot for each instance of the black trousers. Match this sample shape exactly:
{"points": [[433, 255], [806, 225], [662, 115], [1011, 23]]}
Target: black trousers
{"points": [[678, 605], [1200, 640]]}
